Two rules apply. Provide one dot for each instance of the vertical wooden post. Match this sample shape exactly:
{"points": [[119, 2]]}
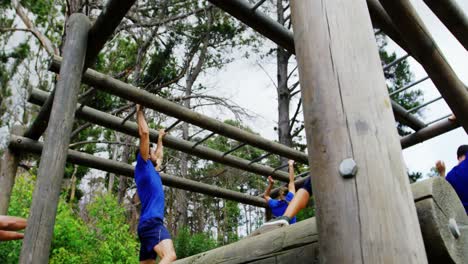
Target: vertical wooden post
{"points": [[368, 216], [38, 236], [9, 165]]}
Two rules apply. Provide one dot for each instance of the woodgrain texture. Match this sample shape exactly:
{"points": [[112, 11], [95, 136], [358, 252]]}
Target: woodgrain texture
{"points": [[369, 218]]}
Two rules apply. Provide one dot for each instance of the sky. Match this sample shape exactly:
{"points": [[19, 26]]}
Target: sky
{"points": [[249, 85]]}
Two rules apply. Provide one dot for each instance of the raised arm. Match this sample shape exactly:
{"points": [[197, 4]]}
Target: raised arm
{"points": [[266, 196], [291, 185], [143, 131], [158, 155], [440, 167]]}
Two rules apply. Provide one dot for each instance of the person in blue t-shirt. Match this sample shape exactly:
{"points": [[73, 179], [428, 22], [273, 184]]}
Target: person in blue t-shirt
{"points": [[458, 176], [286, 195], [154, 237]]}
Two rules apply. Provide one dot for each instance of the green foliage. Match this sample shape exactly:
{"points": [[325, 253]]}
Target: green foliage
{"points": [[306, 213], [19, 206], [397, 77], [103, 238], [187, 244]]}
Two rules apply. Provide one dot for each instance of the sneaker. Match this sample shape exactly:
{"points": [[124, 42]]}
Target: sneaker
{"points": [[281, 221], [271, 225]]}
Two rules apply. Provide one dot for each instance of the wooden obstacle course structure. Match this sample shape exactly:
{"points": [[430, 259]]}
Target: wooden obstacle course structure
{"points": [[356, 218], [436, 203]]}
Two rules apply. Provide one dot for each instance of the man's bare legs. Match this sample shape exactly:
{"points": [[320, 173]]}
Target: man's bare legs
{"points": [[298, 203], [165, 250], [9, 224]]}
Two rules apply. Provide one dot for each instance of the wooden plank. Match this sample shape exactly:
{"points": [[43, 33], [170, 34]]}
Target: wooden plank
{"points": [[453, 17], [38, 235], [131, 128], [421, 43], [347, 114], [8, 168], [298, 243], [88, 160]]}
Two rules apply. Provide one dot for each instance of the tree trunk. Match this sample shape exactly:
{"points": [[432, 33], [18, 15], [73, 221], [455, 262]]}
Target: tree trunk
{"points": [[282, 58], [115, 155], [73, 184], [126, 153]]}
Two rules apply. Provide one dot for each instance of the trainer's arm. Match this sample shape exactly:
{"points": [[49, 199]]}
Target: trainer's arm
{"points": [[266, 196], [143, 131], [291, 185]]}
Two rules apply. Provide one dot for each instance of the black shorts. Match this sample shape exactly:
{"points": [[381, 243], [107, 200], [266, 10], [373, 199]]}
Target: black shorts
{"points": [[150, 233], [307, 186]]}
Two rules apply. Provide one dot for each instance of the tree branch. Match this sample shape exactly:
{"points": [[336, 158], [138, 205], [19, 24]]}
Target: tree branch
{"points": [[293, 120], [45, 42]]}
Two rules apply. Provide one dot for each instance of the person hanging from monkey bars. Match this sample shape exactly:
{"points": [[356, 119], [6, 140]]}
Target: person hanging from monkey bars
{"points": [[154, 238], [299, 202], [286, 194]]}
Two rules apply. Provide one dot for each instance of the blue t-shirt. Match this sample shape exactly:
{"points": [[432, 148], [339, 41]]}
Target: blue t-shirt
{"points": [[150, 190], [278, 207], [458, 178]]}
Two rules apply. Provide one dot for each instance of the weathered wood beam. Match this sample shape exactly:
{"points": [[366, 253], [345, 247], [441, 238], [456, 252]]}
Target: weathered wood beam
{"points": [[410, 140], [102, 29], [39, 124], [131, 128], [112, 166], [271, 29], [453, 17], [105, 25], [357, 222], [38, 235], [406, 118], [245, 12], [436, 203], [420, 42], [139, 96], [8, 168], [429, 132]]}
